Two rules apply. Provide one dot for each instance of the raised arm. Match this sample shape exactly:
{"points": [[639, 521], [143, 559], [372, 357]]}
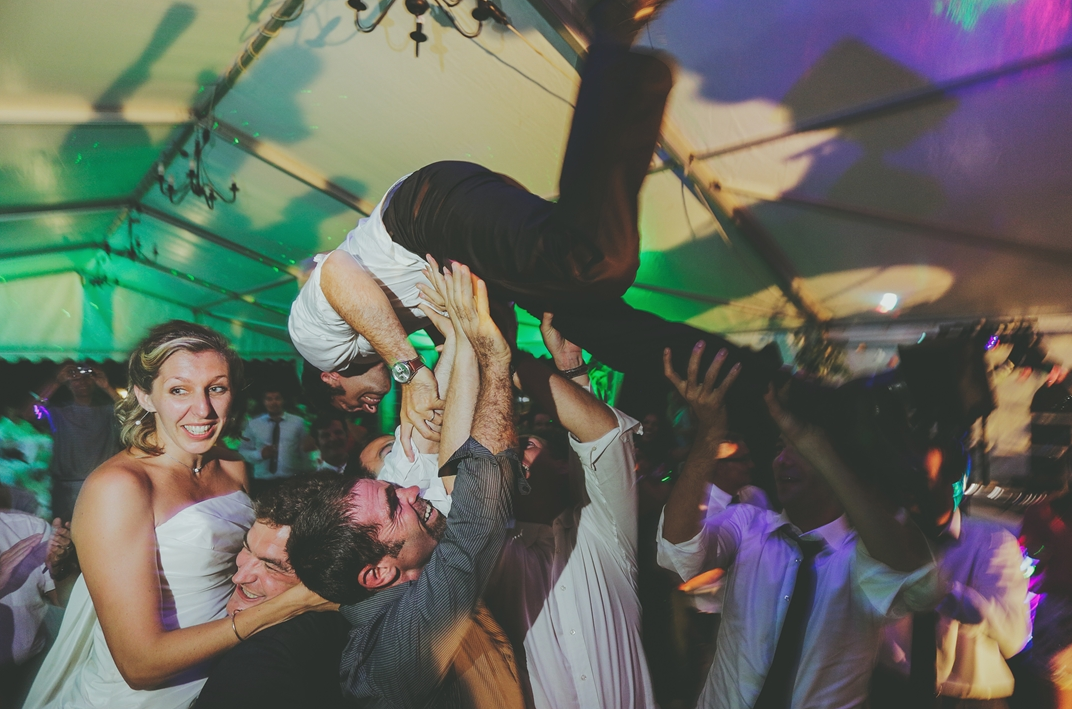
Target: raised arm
{"points": [[578, 410], [467, 302], [683, 517], [113, 529], [464, 380], [900, 547], [358, 299], [437, 609]]}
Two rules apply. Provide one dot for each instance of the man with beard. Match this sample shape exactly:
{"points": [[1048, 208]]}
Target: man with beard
{"points": [[410, 581]]}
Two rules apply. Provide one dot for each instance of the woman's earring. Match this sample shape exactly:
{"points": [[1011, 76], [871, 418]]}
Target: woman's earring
{"points": [[138, 422]]}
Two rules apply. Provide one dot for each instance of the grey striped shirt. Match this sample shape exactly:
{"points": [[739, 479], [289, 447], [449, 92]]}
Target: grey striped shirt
{"points": [[430, 642]]}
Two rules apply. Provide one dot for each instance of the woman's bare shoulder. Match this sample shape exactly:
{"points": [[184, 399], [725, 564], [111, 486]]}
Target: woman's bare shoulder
{"points": [[123, 472]]}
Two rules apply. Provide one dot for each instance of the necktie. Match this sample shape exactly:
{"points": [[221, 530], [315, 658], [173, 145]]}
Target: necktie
{"points": [[777, 689], [273, 462], [923, 677]]}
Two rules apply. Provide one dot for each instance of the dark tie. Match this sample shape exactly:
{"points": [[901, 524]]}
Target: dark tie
{"points": [[273, 462], [777, 692], [923, 677]]}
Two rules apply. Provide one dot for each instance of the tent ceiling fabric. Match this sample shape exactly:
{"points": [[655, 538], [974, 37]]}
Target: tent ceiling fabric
{"points": [[919, 148]]}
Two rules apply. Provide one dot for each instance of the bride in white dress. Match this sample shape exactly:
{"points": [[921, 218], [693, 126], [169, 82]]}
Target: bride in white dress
{"points": [[157, 529]]}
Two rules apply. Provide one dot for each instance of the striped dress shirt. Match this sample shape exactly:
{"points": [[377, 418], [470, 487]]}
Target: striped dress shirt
{"points": [[430, 642]]}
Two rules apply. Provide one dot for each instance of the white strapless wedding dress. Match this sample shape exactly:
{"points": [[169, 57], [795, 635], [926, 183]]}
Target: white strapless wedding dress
{"points": [[198, 547]]}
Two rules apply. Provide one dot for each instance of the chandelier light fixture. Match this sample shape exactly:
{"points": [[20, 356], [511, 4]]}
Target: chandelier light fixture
{"points": [[198, 182], [485, 10]]}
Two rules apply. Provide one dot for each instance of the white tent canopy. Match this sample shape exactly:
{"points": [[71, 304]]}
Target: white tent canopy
{"points": [[816, 156]]}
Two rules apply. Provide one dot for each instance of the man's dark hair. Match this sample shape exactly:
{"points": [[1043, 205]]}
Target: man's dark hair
{"points": [[324, 420], [318, 393], [282, 504], [328, 549]]}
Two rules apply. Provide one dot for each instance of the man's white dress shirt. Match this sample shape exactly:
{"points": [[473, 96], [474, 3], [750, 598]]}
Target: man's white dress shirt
{"points": [[320, 334], [567, 592], [717, 502], [291, 459], [422, 472], [854, 597], [27, 604], [981, 563]]}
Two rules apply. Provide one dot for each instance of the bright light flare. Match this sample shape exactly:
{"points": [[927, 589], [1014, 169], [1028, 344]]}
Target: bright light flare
{"points": [[887, 303]]}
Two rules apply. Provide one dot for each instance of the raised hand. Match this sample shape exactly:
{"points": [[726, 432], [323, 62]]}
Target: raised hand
{"points": [[705, 399], [436, 295], [17, 562], [420, 407], [61, 560], [808, 439], [565, 354], [467, 304]]}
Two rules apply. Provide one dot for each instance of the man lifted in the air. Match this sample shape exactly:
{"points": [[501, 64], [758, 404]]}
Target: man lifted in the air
{"points": [[574, 257]]}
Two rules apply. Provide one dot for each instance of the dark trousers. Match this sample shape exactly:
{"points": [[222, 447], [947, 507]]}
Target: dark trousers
{"points": [[576, 257], [547, 254]]}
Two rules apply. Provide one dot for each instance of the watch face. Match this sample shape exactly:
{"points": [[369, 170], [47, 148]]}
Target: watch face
{"points": [[401, 372]]}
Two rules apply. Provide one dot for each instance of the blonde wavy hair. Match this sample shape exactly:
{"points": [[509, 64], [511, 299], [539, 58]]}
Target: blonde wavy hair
{"points": [[138, 426]]}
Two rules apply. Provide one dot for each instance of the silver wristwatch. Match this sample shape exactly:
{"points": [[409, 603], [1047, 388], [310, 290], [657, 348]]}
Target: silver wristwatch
{"points": [[403, 372]]}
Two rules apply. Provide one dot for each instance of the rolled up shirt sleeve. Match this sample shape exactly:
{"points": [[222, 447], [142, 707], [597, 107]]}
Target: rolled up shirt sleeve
{"points": [[714, 547]]}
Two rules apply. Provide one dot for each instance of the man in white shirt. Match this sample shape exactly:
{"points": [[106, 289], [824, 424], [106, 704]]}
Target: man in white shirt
{"points": [[982, 620], [565, 587], [26, 591], [806, 595], [272, 442]]}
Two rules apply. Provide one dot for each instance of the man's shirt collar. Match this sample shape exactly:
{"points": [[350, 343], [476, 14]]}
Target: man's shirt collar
{"points": [[834, 534]]}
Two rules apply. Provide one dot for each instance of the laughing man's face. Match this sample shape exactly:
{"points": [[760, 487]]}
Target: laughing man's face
{"points": [[263, 567]]}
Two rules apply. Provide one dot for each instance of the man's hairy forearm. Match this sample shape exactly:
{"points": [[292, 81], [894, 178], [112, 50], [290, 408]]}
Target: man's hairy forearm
{"points": [[683, 517], [358, 299], [493, 423]]}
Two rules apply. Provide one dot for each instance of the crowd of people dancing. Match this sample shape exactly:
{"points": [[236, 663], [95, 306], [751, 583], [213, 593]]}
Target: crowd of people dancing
{"points": [[478, 556]]}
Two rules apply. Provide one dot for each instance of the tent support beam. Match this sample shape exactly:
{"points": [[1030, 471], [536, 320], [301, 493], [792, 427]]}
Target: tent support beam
{"points": [[189, 278], [57, 249], [699, 178], [38, 274], [218, 240], [276, 158], [82, 114], [200, 311], [32, 211], [251, 291], [894, 104], [921, 227], [286, 11]]}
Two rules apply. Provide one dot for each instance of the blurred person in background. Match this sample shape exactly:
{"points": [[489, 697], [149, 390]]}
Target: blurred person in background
{"points": [[34, 560], [329, 431], [84, 431], [1047, 536], [980, 623], [272, 442]]}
